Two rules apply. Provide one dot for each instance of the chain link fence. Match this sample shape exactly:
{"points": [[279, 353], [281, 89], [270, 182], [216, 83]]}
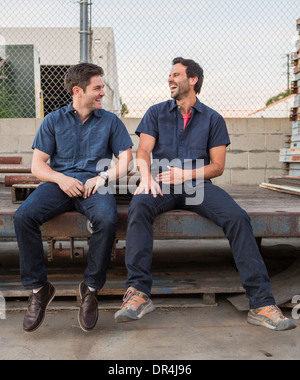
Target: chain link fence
{"points": [[243, 47]]}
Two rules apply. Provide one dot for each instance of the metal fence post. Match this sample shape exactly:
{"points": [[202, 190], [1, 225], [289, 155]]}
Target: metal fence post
{"points": [[84, 31]]}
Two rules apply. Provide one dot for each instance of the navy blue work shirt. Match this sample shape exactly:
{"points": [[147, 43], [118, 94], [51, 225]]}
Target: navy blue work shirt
{"points": [[75, 149], [206, 129]]}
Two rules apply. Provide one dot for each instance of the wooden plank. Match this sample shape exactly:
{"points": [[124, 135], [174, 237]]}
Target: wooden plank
{"points": [[106, 303], [286, 180], [283, 189], [166, 281], [10, 168]]}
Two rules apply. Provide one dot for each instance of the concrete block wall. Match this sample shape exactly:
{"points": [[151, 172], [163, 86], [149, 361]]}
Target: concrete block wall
{"points": [[16, 137], [252, 157]]}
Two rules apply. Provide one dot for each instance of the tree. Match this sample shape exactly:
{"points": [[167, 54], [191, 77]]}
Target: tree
{"points": [[278, 97], [7, 107], [124, 108]]}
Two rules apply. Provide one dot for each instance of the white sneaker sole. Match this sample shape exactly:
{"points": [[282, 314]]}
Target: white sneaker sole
{"points": [[130, 315], [284, 325]]}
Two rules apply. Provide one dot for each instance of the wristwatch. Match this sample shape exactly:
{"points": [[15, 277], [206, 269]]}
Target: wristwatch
{"points": [[105, 176]]}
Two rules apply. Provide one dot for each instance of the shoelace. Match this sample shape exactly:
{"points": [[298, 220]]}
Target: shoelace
{"points": [[33, 301], [277, 311], [132, 300], [128, 295], [268, 312]]}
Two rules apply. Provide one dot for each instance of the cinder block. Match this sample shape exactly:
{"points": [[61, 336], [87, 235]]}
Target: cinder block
{"points": [[237, 160], [17, 127], [9, 144], [247, 177], [255, 126], [237, 126], [275, 172], [131, 124], [247, 142], [27, 158], [275, 142], [224, 179], [264, 160], [25, 144], [38, 122], [285, 126], [271, 125]]}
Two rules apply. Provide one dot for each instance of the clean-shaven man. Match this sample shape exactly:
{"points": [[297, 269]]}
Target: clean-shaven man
{"points": [[184, 129], [75, 138]]}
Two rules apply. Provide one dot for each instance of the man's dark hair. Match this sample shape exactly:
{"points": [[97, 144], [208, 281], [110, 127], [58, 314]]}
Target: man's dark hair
{"points": [[193, 69], [80, 75]]}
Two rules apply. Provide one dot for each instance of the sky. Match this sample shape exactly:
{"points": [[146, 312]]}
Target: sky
{"points": [[241, 45]]}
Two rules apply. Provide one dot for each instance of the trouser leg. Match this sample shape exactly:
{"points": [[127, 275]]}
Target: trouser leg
{"points": [[101, 210], [139, 240], [46, 202], [219, 207]]}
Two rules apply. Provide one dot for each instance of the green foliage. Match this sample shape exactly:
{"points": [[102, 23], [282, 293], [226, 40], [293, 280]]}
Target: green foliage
{"points": [[8, 103], [280, 96], [124, 108]]}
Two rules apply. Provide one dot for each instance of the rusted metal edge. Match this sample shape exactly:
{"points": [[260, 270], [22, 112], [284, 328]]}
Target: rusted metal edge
{"points": [[11, 160], [177, 224], [10, 180]]}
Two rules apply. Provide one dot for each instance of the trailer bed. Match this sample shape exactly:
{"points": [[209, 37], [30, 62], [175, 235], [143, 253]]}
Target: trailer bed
{"points": [[272, 215]]}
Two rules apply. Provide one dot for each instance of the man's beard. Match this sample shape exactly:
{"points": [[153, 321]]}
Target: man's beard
{"points": [[182, 92]]}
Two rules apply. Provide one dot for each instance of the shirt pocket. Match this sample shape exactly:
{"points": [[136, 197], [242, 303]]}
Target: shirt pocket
{"points": [[197, 154], [198, 140], [65, 144], [95, 144]]}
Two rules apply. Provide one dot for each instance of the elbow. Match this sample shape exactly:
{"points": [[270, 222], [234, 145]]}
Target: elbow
{"points": [[130, 163], [33, 169], [219, 170], [36, 172], [130, 166]]}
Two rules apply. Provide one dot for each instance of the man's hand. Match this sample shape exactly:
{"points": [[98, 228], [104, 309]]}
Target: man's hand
{"points": [[175, 176], [71, 186], [148, 184], [92, 185]]}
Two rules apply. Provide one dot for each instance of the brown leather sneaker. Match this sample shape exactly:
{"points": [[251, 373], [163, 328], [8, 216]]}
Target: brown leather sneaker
{"points": [[88, 312], [37, 306]]}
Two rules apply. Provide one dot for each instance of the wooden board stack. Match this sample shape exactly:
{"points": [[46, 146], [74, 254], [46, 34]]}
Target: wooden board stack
{"points": [[291, 154]]}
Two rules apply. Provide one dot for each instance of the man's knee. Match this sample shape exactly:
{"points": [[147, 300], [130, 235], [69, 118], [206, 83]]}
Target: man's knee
{"points": [[141, 205], [24, 215], [238, 217], [105, 220]]}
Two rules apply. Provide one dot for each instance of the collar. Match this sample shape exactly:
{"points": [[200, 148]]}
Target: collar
{"points": [[69, 109], [198, 106]]}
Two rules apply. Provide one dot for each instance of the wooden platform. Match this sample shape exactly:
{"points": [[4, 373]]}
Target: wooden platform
{"points": [[188, 278]]}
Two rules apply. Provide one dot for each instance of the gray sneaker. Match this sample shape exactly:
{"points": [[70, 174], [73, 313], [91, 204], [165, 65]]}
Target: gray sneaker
{"points": [[135, 305], [270, 317]]}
